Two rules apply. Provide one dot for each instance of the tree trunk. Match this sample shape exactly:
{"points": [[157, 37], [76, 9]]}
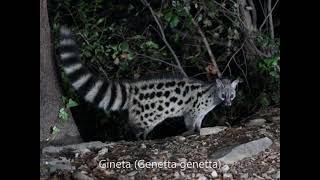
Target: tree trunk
{"points": [[50, 92]]}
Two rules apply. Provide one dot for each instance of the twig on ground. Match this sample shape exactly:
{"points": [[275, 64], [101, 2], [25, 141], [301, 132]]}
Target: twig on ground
{"points": [[270, 20], [163, 37]]}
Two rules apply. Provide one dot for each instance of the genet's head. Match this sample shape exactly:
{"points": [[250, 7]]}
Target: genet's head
{"points": [[227, 90]]}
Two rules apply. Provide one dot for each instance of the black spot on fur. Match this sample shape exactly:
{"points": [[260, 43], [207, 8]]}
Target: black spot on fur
{"points": [[181, 83], [161, 101], [144, 87], [150, 120], [146, 115], [152, 95], [177, 90], [186, 90], [160, 108], [173, 99], [180, 102], [141, 118], [150, 114], [166, 112], [141, 96], [142, 109], [159, 94], [138, 112], [151, 86], [160, 85], [166, 94], [135, 101], [170, 84], [147, 106], [188, 100], [152, 105], [145, 123], [207, 101], [146, 96], [136, 90], [167, 104], [193, 87], [172, 109]]}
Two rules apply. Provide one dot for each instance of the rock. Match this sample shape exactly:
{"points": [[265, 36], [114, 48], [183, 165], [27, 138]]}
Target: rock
{"points": [[277, 175], [276, 118], [184, 160], [176, 175], [234, 154], [143, 146], [201, 177], [103, 151], [256, 122], [75, 147], [81, 176], [211, 130], [227, 176], [181, 138], [59, 164], [132, 173], [214, 174], [244, 176], [225, 168]]}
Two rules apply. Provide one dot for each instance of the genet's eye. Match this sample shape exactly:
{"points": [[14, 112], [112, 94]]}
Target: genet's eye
{"points": [[232, 96], [223, 96]]}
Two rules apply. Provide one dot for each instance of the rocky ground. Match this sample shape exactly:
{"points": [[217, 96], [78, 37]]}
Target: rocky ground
{"points": [[249, 151]]}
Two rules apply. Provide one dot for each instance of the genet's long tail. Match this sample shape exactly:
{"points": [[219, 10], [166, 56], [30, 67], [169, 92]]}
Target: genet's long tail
{"points": [[105, 94]]}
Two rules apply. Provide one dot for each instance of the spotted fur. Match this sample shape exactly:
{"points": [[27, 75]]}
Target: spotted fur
{"points": [[149, 102]]}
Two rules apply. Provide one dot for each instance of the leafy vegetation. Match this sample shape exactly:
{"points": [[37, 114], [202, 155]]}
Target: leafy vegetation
{"points": [[120, 40]]}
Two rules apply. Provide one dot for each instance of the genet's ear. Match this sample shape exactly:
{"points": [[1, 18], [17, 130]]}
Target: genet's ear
{"points": [[219, 83], [236, 82]]}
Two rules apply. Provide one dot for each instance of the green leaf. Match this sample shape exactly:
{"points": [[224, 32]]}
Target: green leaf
{"points": [[63, 115], [124, 46], [55, 130], [72, 103], [100, 21], [174, 21], [151, 44]]}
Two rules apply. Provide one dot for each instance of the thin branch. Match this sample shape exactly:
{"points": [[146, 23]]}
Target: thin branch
{"points": [[205, 41], [164, 37], [156, 59], [234, 54], [269, 13]]}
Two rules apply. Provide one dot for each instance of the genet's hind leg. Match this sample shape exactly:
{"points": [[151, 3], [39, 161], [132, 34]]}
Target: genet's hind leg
{"points": [[198, 123], [190, 124]]}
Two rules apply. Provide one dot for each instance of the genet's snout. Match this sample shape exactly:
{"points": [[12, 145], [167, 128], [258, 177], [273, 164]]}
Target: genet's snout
{"points": [[227, 103]]}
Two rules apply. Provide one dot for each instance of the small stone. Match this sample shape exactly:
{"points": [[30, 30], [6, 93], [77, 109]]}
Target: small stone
{"points": [[81, 176], [225, 168], [211, 130], [256, 122], [244, 176], [184, 160], [132, 173], [277, 175], [176, 174], [181, 138], [227, 175], [143, 146], [214, 174], [103, 151], [276, 118], [201, 177]]}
